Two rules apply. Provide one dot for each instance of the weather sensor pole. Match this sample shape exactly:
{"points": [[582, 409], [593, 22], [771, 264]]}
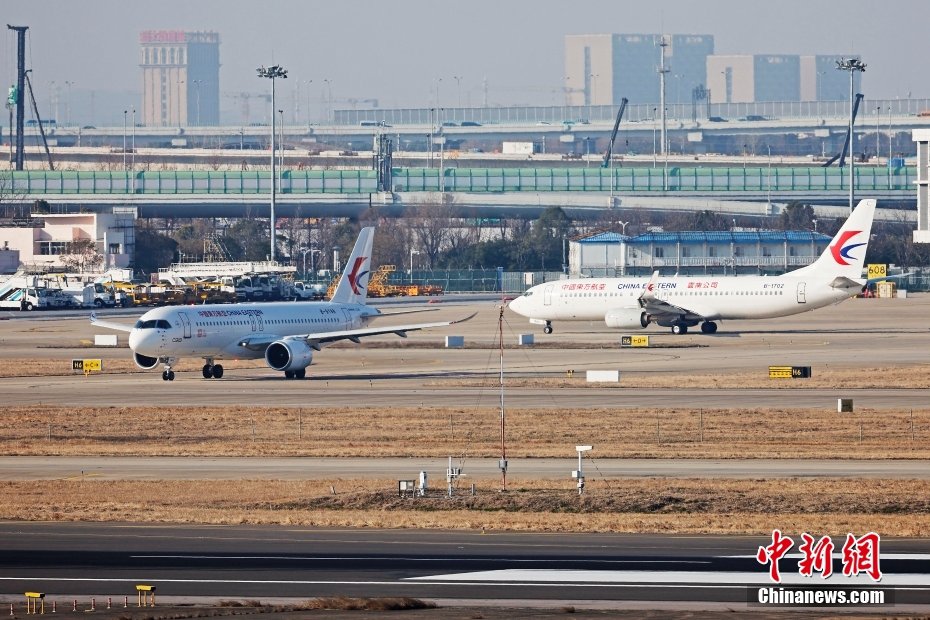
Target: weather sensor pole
{"points": [[579, 473]]}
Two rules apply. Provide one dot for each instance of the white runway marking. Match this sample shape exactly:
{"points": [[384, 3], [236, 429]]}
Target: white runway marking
{"points": [[718, 578]]}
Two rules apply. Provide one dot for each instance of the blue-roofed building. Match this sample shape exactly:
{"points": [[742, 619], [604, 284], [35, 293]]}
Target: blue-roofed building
{"points": [[696, 252]]}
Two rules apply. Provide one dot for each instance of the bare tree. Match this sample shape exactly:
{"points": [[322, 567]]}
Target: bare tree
{"points": [[82, 256], [429, 228]]}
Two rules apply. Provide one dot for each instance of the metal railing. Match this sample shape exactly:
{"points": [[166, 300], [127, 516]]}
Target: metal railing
{"points": [[595, 179]]}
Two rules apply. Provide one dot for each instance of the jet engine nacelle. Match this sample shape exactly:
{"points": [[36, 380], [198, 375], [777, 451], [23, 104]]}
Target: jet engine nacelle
{"points": [[288, 355], [627, 318], [144, 361]]}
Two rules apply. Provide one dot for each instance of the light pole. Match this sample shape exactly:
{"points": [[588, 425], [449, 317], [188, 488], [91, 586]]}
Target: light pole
{"points": [[769, 181], [654, 136], [180, 81], [125, 112], [412, 253], [593, 77], [329, 97], [458, 88], [889, 146], [133, 144], [275, 71], [69, 84], [281, 145], [311, 251], [197, 90], [852, 65], [878, 118], [308, 83]]}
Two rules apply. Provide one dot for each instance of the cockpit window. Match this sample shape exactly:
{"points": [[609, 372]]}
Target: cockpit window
{"points": [[528, 293], [153, 324]]}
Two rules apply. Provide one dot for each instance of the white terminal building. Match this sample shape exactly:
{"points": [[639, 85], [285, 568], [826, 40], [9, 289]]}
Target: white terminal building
{"points": [[37, 244], [922, 138]]}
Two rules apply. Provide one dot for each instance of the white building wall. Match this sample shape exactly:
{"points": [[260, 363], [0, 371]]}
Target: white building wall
{"points": [[922, 138]]}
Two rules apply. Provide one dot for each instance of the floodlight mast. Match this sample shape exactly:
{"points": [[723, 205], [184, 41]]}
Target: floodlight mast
{"points": [[852, 65], [275, 71]]}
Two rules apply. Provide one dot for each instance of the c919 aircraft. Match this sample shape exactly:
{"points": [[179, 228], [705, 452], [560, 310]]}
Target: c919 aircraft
{"points": [[681, 302], [285, 334]]}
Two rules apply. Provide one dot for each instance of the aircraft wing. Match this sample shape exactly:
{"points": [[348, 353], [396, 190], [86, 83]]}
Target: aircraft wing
{"points": [[658, 308], [109, 324], [316, 340]]}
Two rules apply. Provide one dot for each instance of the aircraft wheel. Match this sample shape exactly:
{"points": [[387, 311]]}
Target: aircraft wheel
{"points": [[288, 374], [170, 375], [164, 375], [547, 329], [217, 371], [709, 327], [679, 329], [207, 371], [300, 374]]}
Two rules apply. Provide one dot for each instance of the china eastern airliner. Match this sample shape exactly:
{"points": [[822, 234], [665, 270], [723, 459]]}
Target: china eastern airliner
{"points": [[681, 302], [285, 334]]}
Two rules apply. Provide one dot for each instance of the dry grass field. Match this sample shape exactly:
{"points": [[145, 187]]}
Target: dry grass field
{"points": [[823, 505], [467, 432], [681, 505]]}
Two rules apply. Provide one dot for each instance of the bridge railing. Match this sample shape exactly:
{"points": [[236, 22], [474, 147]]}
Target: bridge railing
{"points": [[481, 180]]}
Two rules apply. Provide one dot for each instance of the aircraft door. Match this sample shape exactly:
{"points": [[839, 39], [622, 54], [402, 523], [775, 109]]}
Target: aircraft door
{"points": [[802, 292], [348, 317], [547, 295], [187, 324]]}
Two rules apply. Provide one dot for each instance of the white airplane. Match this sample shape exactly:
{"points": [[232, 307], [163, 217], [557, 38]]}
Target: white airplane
{"points": [[681, 302], [286, 334]]}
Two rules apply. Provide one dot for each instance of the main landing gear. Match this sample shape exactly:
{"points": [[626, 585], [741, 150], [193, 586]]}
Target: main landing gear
{"points": [[212, 371], [167, 374], [295, 374]]}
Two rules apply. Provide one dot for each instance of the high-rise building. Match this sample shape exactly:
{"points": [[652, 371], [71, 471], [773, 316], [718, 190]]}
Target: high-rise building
{"points": [[600, 69], [776, 77], [180, 78], [822, 81]]}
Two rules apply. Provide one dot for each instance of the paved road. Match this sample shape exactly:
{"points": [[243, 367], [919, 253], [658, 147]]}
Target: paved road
{"points": [[300, 468], [66, 560]]}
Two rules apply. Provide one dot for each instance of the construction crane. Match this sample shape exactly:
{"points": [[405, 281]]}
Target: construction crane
{"points": [[613, 135], [35, 110], [842, 154]]}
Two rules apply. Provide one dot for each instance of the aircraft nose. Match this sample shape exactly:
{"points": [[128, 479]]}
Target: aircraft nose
{"points": [[141, 342], [517, 305]]}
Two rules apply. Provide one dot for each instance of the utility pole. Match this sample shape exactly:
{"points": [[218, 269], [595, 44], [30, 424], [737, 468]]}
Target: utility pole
{"points": [[20, 87], [662, 71]]}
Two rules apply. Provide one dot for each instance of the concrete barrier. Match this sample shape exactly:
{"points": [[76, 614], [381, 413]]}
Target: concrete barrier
{"points": [[105, 340], [603, 376]]}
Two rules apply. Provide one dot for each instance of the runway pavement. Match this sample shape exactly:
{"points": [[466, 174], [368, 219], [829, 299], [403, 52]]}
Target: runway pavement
{"points": [[303, 468], [68, 560]]}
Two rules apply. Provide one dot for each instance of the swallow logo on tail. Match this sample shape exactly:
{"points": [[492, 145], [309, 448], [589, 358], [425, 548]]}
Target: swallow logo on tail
{"points": [[356, 275], [840, 250]]}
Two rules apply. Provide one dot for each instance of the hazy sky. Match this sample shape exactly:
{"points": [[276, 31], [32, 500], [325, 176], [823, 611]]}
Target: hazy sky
{"points": [[397, 51]]}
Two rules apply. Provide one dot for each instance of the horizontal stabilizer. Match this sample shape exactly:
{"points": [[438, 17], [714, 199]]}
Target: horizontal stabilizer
{"points": [[843, 282]]}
